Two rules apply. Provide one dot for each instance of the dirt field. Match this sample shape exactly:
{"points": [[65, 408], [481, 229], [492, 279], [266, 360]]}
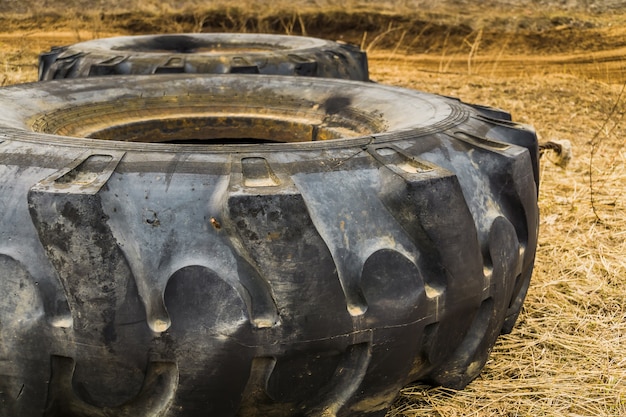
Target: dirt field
{"points": [[560, 68]]}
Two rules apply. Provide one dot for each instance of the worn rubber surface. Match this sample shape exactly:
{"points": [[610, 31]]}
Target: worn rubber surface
{"points": [[389, 238], [215, 53]]}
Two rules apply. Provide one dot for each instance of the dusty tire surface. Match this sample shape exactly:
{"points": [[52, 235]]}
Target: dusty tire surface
{"points": [[253, 245], [214, 53]]}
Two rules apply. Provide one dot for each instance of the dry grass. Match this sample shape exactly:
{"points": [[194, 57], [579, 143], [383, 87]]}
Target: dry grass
{"points": [[567, 354]]}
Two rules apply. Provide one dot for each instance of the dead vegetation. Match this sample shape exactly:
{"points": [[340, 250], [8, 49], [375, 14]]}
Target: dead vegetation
{"points": [[567, 354]]}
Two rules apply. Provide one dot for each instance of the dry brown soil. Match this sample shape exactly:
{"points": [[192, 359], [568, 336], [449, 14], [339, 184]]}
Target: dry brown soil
{"points": [[559, 66]]}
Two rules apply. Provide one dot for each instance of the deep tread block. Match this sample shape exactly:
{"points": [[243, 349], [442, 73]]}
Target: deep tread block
{"points": [[174, 65], [274, 227], [470, 357], [109, 66]]}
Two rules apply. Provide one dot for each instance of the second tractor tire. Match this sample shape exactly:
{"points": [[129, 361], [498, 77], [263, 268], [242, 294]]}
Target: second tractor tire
{"points": [[214, 53]]}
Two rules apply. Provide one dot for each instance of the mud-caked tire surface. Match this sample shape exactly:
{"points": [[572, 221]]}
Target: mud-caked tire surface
{"points": [[159, 256], [211, 53]]}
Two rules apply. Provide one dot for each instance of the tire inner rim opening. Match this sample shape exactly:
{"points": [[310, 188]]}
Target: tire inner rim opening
{"points": [[245, 125]]}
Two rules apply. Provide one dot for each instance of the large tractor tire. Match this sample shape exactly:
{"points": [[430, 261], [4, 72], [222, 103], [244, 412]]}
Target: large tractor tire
{"points": [[253, 245], [214, 53]]}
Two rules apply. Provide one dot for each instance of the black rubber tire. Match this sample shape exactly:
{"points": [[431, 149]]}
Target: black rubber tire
{"points": [[210, 53], [237, 278]]}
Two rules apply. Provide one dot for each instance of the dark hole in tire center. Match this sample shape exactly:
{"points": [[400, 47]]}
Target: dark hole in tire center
{"points": [[220, 130], [209, 120]]}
